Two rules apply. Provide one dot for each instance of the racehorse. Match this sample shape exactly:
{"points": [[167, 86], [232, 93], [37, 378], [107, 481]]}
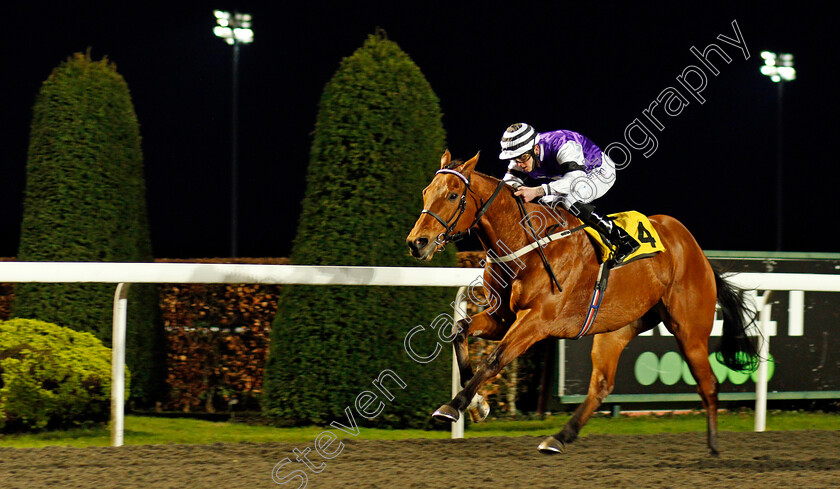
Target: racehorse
{"points": [[678, 287]]}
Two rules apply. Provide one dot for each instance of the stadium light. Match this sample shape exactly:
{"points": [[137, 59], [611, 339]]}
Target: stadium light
{"points": [[234, 29], [779, 67]]}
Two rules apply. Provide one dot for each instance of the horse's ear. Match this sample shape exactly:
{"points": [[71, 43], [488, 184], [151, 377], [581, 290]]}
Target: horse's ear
{"points": [[445, 159], [469, 166]]}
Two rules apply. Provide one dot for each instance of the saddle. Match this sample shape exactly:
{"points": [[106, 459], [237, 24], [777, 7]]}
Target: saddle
{"points": [[635, 224]]}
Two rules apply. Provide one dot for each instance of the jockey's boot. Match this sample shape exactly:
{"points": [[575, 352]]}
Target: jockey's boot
{"points": [[624, 244]]}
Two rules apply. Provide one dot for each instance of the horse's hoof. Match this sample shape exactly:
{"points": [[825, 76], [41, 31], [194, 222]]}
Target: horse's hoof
{"points": [[552, 446], [446, 413], [478, 409]]}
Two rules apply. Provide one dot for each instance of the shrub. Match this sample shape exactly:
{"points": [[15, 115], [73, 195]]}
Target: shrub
{"points": [[377, 143], [52, 377], [217, 338], [85, 201]]}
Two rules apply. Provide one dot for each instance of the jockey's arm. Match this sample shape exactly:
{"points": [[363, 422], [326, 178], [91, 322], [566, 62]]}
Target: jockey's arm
{"points": [[516, 179], [563, 185], [571, 152], [571, 160]]}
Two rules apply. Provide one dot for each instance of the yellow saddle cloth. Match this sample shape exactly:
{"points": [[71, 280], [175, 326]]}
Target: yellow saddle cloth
{"points": [[638, 226]]}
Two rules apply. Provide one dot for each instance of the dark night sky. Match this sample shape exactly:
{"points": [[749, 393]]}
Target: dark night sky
{"points": [[591, 68]]}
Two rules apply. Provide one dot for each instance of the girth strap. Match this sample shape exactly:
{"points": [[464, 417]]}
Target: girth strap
{"points": [[597, 297]]}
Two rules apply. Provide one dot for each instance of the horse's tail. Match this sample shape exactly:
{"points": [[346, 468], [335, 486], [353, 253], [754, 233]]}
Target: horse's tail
{"points": [[736, 350]]}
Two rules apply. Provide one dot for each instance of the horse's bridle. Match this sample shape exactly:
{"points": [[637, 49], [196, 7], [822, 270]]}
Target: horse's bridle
{"points": [[447, 236]]}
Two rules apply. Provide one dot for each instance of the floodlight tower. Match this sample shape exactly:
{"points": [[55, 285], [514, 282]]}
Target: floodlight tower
{"points": [[235, 29], [779, 67]]}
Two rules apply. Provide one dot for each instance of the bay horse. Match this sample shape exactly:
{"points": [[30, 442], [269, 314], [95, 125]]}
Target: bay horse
{"points": [[678, 287]]}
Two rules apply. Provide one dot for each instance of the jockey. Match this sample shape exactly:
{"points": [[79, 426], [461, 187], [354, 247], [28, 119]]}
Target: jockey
{"points": [[568, 169]]}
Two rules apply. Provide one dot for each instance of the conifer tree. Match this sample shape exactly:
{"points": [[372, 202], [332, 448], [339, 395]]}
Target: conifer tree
{"points": [[377, 143], [85, 201]]}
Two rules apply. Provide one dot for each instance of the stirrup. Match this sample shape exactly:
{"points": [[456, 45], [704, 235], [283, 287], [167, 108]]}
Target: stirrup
{"points": [[624, 248]]}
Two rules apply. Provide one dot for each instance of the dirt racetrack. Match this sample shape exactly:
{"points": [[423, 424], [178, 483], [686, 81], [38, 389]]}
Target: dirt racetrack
{"points": [[783, 459]]}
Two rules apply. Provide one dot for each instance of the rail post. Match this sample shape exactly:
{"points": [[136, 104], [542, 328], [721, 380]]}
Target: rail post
{"points": [[458, 314], [763, 357], [118, 364]]}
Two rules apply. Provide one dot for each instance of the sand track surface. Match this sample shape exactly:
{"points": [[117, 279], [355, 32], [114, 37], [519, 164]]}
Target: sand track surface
{"points": [[786, 459]]}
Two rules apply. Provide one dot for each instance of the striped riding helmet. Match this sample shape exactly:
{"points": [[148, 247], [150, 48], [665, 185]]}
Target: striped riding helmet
{"points": [[517, 140]]}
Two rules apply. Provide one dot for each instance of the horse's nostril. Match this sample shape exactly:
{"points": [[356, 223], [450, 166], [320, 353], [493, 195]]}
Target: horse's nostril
{"points": [[420, 243]]}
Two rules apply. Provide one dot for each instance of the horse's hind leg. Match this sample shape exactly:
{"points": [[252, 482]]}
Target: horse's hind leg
{"points": [[696, 352], [689, 316], [694, 344], [606, 350]]}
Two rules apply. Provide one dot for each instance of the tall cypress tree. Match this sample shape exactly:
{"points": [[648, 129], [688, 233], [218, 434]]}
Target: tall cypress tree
{"points": [[85, 201], [377, 143]]}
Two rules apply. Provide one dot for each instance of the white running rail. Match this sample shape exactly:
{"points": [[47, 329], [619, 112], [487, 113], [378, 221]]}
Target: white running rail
{"points": [[125, 274]]}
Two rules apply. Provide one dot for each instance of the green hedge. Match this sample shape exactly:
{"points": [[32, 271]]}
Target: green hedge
{"points": [[52, 377], [85, 201], [377, 143]]}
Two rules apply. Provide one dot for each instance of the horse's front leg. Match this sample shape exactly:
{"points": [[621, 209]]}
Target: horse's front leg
{"points": [[522, 334], [485, 325]]}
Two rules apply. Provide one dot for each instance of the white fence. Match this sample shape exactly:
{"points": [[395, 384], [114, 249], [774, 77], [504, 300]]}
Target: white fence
{"points": [[125, 274]]}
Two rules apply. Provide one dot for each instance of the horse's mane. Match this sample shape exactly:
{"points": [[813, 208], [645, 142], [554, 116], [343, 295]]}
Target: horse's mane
{"points": [[453, 164], [563, 213], [491, 177], [456, 163], [559, 210]]}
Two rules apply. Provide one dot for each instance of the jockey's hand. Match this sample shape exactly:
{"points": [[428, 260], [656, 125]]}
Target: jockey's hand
{"points": [[529, 193]]}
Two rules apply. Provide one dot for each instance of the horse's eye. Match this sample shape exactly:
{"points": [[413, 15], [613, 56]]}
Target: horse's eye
{"points": [[453, 196]]}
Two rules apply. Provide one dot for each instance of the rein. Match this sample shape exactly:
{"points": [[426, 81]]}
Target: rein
{"points": [[447, 236], [539, 248]]}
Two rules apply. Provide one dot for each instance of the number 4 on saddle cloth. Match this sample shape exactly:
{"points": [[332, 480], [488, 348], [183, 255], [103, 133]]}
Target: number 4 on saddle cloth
{"points": [[637, 225]]}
